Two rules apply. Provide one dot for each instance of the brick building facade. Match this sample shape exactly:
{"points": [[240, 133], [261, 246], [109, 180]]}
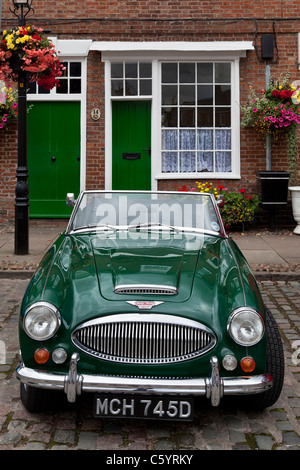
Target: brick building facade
{"points": [[192, 62]]}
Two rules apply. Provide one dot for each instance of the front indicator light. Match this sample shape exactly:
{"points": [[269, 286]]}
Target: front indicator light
{"points": [[247, 364], [41, 356]]}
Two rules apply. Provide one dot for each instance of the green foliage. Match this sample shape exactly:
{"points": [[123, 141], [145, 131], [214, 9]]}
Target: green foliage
{"points": [[239, 208]]}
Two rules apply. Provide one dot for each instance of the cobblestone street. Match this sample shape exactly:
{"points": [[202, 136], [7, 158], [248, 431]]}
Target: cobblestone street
{"points": [[226, 428]]}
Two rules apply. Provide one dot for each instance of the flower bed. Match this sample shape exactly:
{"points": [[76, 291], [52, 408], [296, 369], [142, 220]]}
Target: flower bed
{"points": [[238, 208]]}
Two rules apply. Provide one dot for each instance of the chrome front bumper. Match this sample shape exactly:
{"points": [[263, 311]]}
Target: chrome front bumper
{"points": [[213, 387]]}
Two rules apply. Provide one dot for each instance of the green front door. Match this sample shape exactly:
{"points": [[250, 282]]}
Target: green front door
{"points": [[53, 135], [131, 145]]}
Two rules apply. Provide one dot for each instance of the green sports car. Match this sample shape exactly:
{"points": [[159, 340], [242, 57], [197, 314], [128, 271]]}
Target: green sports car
{"points": [[146, 303]]}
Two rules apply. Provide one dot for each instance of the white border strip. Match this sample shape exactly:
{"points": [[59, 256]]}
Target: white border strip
{"points": [[176, 46]]}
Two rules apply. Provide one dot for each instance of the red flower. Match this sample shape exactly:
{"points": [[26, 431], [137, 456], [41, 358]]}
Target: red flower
{"points": [[242, 191], [183, 188], [275, 93], [282, 94]]}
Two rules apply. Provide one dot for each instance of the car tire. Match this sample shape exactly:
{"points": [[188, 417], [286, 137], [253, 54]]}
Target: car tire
{"points": [[37, 399], [274, 367]]}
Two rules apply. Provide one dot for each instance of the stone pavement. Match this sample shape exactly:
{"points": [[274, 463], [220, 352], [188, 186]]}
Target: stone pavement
{"points": [[228, 427], [41, 237]]}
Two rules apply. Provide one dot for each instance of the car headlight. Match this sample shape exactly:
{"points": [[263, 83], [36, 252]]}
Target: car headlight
{"points": [[41, 321], [246, 326]]}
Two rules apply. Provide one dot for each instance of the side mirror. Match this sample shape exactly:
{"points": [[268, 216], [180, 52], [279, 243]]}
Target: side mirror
{"points": [[70, 201], [221, 200]]}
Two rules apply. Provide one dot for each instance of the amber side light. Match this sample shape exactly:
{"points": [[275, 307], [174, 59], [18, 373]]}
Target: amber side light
{"points": [[41, 356], [247, 364]]}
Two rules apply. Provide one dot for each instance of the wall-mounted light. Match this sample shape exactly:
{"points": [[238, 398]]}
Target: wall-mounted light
{"points": [[267, 46]]}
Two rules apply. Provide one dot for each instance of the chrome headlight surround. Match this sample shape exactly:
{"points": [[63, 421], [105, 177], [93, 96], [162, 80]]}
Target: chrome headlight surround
{"points": [[246, 326], [41, 321]]}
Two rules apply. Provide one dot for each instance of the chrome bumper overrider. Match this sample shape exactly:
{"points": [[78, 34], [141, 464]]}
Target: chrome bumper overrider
{"points": [[213, 387]]}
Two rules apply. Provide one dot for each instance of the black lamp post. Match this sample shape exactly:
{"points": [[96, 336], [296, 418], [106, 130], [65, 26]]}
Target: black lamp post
{"points": [[21, 8]]}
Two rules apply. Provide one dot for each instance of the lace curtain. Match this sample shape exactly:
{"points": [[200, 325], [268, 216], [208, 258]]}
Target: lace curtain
{"points": [[202, 150]]}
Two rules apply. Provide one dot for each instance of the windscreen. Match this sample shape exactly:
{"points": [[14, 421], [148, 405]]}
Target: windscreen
{"points": [[179, 211]]}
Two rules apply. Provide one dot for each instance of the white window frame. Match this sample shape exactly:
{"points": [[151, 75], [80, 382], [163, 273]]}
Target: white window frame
{"points": [[235, 137], [298, 51], [158, 52]]}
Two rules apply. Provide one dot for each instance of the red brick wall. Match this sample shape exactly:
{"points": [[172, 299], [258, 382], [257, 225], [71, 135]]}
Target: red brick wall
{"points": [[159, 9], [95, 166], [164, 20], [8, 165]]}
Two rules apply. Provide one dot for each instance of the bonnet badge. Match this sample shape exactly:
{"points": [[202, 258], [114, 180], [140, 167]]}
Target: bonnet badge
{"points": [[143, 304]]}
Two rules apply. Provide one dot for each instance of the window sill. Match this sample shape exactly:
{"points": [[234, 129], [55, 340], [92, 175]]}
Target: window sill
{"points": [[195, 176]]}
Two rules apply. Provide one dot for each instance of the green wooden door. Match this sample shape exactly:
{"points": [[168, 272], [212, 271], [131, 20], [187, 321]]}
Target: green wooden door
{"points": [[53, 135], [131, 145]]}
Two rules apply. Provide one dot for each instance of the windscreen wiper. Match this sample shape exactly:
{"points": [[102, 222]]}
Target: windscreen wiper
{"points": [[100, 226], [152, 224]]}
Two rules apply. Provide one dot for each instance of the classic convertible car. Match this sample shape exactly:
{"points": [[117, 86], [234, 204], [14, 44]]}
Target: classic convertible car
{"points": [[145, 302]]}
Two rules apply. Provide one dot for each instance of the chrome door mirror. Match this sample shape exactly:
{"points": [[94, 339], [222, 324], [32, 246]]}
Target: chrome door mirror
{"points": [[70, 201], [221, 200]]}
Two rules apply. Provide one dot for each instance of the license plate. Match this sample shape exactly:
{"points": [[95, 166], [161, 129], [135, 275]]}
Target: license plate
{"points": [[145, 407]]}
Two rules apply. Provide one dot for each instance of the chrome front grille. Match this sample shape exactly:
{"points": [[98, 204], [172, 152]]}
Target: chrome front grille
{"points": [[144, 339], [145, 289]]}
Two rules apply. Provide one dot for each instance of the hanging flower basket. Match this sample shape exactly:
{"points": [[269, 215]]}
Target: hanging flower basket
{"points": [[8, 105], [27, 48], [276, 112]]}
